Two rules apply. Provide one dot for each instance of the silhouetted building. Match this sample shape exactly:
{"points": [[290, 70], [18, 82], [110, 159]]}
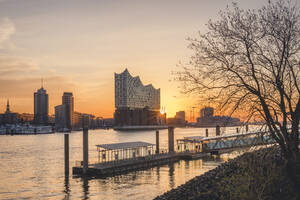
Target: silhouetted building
{"points": [[137, 116], [207, 119], [178, 120], [68, 101], [180, 115], [77, 123], [108, 122], [9, 117], [41, 106], [26, 117], [207, 112], [135, 103], [51, 119], [64, 114], [61, 118]]}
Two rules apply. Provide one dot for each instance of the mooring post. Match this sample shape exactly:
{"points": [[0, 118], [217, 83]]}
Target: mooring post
{"points": [[85, 148], [206, 132], [237, 130], [247, 128], [66, 154], [157, 142], [218, 131], [171, 138]]}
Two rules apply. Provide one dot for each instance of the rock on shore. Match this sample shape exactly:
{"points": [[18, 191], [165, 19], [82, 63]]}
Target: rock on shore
{"points": [[250, 176]]}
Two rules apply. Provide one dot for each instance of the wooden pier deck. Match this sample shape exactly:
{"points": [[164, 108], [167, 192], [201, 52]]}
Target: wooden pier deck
{"points": [[112, 161], [123, 166]]}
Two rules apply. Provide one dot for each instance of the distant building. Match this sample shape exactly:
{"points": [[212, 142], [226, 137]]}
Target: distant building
{"points": [[64, 114], [77, 123], [178, 120], [207, 119], [26, 117], [135, 103], [180, 115], [108, 122], [137, 116], [9, 117], [61, 118], [51, 119], [68, 101], [207, 112], [41, 106]]}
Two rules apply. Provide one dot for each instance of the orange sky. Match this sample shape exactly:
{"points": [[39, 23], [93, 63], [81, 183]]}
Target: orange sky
{"points": [[76, 46]]}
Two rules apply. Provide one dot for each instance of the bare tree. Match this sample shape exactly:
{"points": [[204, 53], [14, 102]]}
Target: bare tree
{"points": [[249, 61]]}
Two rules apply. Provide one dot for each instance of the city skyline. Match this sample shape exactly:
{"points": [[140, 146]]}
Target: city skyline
{"points": [[41, 39]]}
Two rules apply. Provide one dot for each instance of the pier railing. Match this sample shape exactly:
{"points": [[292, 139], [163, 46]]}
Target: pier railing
{"points": [[163, 153]]}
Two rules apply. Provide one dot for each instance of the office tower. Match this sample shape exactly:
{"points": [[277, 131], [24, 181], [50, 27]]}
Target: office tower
{"points": [[68, 101], [60, 118], [41, 106]]}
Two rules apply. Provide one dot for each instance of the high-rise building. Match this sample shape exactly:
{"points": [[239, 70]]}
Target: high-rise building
{"points": [[61, 118], [135, 103], [131, 93], [64, 114], [41, 106], [68, 101]]}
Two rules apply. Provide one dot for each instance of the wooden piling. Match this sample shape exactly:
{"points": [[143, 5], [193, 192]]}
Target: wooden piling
{"points": [[157, 142], [66, 139], [85, 149], [171, 138], [218, 130]]}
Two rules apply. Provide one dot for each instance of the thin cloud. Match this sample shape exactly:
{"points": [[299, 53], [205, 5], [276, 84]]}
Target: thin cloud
{"points": [[13, 66], [7, 29]]}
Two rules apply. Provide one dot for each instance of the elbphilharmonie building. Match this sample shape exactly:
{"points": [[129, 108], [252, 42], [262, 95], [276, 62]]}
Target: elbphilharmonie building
{"points": [[131, 93], [136, 104]]}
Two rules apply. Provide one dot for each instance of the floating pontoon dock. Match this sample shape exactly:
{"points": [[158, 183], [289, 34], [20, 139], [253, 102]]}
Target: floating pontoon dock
{"points": [[120, 158]]}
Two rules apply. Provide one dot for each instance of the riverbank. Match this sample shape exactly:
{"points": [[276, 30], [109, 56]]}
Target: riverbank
{"points": [[259, 174]]}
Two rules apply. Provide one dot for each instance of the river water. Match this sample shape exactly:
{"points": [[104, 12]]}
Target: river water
{"points": [[32, 167]]}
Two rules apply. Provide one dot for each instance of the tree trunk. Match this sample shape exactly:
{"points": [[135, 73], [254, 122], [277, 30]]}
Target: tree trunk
{"points": [[293, 170]]}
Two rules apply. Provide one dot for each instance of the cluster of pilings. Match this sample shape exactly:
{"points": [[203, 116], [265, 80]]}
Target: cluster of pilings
{"points": [[85, 149], [170, 140], [218, 130]]}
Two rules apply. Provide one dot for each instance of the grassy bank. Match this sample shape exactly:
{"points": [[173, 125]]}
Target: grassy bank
{"points": [[255, 175]]}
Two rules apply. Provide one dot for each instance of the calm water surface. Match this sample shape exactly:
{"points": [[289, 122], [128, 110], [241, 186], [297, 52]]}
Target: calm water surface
{"points": [[32, 167]]}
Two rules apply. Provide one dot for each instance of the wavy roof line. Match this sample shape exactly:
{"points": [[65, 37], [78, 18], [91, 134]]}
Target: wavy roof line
{"points": [[138, 78]]}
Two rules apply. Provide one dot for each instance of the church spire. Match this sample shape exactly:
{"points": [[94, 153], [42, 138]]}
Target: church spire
{"points": [[7, 106]]}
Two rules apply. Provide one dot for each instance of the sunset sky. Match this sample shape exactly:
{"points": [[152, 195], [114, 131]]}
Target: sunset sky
{"points": [[77, 45]]}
